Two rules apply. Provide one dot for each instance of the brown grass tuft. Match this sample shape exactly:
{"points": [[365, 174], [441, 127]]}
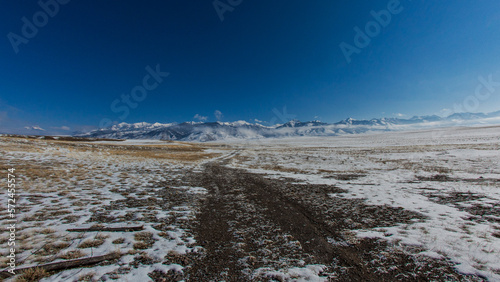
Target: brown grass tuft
{"points": [[72, 254], [90, 243], [47, 231], [87, 277], [52, 248], [141, 246], [119, 241], [143, 236], [32, 274]]}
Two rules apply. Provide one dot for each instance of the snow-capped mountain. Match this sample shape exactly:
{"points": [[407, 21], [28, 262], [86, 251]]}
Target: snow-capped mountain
{"points": [[212, 131]]}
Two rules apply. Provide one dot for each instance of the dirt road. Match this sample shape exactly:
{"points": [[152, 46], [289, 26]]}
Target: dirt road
{"points": [[250, 226]]}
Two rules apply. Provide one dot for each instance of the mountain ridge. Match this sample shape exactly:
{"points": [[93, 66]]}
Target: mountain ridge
{"points": [[213, 131]]}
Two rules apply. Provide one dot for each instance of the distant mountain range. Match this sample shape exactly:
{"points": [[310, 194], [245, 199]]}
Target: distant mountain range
{"points": [[212, 131]]}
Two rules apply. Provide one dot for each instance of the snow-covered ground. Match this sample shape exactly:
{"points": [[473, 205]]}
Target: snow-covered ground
{"points": [[63, 186], [451, 176]]}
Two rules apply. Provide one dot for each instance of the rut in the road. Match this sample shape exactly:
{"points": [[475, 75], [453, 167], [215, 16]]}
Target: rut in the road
{"points": [[248, 223], [236, 195]]}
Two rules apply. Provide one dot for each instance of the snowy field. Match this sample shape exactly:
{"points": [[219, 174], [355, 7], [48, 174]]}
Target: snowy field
{"points": [[451, 176], [65, 185], [449, 179]]}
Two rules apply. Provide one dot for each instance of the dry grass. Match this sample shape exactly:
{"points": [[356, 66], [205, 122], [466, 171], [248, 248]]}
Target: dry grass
{"points": [[87, 277], [32, 274], [90, 243], [145, 239], [63, 193], [52, 248], [175, 151], [70, 219], [141, 246], [118, 241], [185, 153], [143, 236], [101, 236], [72, 255], [438, 169], [47, 231], [165, 235], [282, 169], [65, 171]]}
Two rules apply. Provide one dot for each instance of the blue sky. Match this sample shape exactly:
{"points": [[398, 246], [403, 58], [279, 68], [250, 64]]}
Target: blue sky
{"points": [[263, 55]]}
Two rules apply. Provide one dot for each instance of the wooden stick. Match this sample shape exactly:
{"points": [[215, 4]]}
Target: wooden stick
{"points": [[107, 229], [61, 265]]}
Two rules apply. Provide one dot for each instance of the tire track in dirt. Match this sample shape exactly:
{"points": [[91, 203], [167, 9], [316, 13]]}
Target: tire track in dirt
{"points": [[219, 261], [213, 232], [248, 222], [307, 228]]}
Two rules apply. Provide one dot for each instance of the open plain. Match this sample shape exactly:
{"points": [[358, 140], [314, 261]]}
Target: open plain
{"points": [[409, 206]]}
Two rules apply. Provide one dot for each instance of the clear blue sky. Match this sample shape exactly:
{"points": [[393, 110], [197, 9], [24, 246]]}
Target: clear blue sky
{"points": [[263, 55]]}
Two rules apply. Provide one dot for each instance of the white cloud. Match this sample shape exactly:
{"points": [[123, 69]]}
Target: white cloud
{"points": [[445, 112], [200, 117], [399, 115], [259, 121], [34, 127], [66, 128], [218, 114], [85, 128]]}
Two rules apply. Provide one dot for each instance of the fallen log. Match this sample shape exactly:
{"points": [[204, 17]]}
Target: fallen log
{"points": [[62, 265], [107, 229]]}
